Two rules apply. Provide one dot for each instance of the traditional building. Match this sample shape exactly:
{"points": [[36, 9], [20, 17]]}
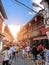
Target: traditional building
{"points": [[34, 30], [38, 27], [2, 17], [45, 3], [8, 34]]}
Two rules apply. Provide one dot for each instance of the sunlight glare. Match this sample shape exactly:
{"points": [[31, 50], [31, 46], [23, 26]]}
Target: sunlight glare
{"points": [[14, 29]]}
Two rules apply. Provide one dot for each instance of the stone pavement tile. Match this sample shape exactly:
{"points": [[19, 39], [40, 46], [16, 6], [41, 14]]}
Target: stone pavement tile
{"points": [[21, 61], [0, 63]]}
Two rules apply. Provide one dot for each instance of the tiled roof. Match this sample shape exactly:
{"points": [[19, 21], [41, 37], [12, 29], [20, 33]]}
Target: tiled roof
{"points": [[2, 10]]}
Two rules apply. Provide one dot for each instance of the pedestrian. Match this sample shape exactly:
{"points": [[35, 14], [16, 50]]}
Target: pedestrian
{"points": [[17, 50], [28, 51], [5, 56], [47, 55], [34, 52], [23, 53], [40, 49], [14, 52]]}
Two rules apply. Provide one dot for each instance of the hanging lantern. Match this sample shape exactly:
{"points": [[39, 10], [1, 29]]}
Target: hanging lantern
{"points": [[29, 24], [36, 19]]}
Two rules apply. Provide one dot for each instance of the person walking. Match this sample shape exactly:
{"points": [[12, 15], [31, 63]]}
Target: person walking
{"points": [[40, 49], [28, 51], [34, 52], [47, 56], [17, 51], [5, 56]]}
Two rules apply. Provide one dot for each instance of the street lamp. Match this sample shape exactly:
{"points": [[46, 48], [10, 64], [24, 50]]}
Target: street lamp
{"points": [[44, 12], [36, 5]]}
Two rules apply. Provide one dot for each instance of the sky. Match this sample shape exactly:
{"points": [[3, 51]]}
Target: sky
{"points": [[17, 15]]}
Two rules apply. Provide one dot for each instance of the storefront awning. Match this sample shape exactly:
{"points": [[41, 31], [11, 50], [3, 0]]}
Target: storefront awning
{"points": [[1, 35], [41, 37]]}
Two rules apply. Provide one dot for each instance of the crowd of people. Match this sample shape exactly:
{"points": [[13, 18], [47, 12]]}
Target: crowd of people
{"points": [[9, 54], [39, 54]]}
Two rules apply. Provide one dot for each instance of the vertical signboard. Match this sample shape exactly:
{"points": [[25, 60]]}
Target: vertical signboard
{"points": [[0, 45]]}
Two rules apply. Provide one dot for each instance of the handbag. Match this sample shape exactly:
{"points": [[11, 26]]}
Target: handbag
{"points": [[1, 59]]}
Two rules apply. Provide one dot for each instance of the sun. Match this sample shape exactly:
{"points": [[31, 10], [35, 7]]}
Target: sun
{"points": [[14, 29]]}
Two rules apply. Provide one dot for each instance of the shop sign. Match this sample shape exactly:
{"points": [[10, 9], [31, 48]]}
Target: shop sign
{"points": [[0, 45]]}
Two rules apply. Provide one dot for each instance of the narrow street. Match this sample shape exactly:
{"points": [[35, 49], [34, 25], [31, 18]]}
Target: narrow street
{"points": [[21, 61], [24, 32]]}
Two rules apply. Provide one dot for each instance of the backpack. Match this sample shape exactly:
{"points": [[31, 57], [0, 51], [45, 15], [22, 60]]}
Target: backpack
{"points": [[34, 50], [41, 52]]}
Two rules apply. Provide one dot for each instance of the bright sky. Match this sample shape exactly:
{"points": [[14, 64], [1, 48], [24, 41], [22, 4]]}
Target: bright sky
{"points": [[17, 15], [14, 29]]}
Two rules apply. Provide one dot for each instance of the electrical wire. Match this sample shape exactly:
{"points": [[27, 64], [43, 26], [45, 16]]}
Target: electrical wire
{"points": [[22, 4]]}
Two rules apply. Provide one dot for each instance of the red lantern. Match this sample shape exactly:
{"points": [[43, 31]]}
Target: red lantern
{"points": [[36, 19]]}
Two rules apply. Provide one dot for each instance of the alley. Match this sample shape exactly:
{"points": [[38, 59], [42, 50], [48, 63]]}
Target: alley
{"points": [[24, 31]]}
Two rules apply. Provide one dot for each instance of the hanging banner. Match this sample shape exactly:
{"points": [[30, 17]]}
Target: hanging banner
{"points": [[0, 45]]}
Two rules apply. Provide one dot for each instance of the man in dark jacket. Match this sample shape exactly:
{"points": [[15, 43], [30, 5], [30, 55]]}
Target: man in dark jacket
{"points": [[34, 52]]}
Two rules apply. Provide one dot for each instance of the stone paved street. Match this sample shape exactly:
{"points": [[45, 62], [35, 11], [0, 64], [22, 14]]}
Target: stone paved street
{"points": [[21, 61]]}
